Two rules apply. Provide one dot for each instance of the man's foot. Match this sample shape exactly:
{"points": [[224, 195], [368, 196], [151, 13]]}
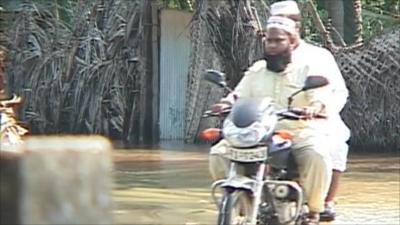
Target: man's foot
{"points": [[329, 213], [312, 219]]}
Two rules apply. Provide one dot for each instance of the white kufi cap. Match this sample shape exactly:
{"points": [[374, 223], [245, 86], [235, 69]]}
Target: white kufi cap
{"points": [[283, 23], [288, 7]]}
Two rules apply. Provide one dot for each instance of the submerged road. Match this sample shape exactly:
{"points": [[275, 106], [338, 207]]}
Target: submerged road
{"points": [[171, 186]]}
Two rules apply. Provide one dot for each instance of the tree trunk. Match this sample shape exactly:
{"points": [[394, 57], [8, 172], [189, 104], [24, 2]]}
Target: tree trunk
{"points": [[349, 22], [357, 22], [352, 22], [335, 10]]}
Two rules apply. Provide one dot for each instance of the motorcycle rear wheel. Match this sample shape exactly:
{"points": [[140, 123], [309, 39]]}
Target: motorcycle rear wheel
{"points": [[234, 208]]}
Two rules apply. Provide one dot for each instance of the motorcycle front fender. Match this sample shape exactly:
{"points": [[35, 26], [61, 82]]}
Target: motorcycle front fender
{"points": [[238, 182], [232, 184]]}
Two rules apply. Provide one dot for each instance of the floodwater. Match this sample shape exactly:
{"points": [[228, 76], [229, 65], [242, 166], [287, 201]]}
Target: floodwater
{"points": [[171, 186]]}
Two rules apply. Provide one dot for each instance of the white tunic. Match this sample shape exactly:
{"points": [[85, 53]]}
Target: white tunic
{"points": [[322, 62], [260, 82]]}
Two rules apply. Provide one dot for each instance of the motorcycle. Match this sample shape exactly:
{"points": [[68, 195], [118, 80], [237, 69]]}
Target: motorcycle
{"points": [[265, 190]]}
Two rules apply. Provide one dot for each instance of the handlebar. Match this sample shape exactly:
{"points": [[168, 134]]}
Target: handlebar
{"points": [[291, 114], [210, 113], [298, 114]]}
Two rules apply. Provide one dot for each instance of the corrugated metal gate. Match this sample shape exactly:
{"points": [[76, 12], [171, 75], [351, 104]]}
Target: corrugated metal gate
{"points": [[174, 63]]}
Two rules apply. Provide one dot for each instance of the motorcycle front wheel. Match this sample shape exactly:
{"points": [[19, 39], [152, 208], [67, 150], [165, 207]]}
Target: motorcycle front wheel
{"points": [[234, 208]]}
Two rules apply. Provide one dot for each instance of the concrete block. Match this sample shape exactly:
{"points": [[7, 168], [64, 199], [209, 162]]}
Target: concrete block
{"points": [[57, 180]]}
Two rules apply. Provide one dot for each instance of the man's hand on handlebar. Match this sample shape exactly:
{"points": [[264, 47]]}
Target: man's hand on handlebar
{"points": [[220, 107], [314, 110]]}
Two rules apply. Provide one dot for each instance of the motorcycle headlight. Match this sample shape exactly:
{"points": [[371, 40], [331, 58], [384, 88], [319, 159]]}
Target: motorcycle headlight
{"points": [[243, 137]]}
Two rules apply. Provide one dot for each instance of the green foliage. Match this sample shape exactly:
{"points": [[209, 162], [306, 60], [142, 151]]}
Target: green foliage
{"points": [[309, 31], [61, 9], [388, 7], [379, 15]]}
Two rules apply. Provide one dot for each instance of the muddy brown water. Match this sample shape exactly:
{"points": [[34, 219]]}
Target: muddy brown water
{"points": [[171, 186]]}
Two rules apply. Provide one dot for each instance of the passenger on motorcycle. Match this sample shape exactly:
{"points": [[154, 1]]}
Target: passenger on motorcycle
{"points": [[276, 76], [322, 61]]}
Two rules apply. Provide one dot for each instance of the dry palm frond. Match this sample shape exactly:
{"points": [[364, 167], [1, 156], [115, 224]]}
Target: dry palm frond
{"points": [[233, 35], [78, 77]]}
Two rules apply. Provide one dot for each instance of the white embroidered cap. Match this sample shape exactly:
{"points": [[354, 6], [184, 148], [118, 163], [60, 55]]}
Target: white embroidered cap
{"points": [[288, 7], [283, 23]]}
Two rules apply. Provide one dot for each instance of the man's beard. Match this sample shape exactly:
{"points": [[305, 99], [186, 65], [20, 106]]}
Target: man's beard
{"points": [[278, 62]]}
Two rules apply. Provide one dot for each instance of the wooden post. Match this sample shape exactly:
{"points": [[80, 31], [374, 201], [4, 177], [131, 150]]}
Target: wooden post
{"points": [[156, 73]]}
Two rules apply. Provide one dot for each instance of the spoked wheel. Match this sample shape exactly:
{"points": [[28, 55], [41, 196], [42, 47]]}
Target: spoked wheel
{"points": [[234, 209]]}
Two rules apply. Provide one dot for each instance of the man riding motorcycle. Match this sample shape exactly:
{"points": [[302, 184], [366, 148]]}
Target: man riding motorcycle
{"points": [[278, 77]]}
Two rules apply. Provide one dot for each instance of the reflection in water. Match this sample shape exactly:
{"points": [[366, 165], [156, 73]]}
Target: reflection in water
{"points": [[171, 186]]}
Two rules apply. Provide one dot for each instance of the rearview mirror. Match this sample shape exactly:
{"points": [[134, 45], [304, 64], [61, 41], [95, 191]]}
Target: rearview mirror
{"points": [[215, 77], [314, 82], [310, 83]]}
